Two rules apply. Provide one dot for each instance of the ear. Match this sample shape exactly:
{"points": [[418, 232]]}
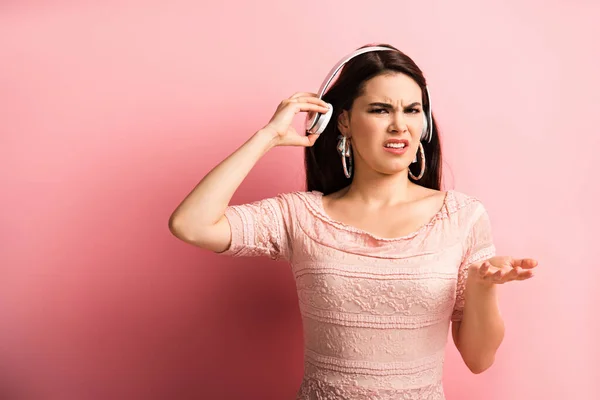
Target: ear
{"points": [[343, 123]]}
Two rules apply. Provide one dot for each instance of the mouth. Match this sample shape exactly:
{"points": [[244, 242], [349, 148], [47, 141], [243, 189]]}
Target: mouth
{"points": [[397, 146]]}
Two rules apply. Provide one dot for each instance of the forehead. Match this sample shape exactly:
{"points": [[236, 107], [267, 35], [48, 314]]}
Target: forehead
{"points": [[392, 88]]}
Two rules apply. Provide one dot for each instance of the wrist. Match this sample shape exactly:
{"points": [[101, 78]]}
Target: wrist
{"points": [[479, 283], [478, 291], [267, 138]]}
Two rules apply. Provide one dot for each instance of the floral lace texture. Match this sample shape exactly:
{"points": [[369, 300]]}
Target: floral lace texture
{"points": [[375, 311]]}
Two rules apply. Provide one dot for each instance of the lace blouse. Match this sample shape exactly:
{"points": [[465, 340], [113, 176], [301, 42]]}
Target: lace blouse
{"points": [[375, 311]]}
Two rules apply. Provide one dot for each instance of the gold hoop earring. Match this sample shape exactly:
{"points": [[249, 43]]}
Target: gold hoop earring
{"points": [[422, 172], [343, 149]]}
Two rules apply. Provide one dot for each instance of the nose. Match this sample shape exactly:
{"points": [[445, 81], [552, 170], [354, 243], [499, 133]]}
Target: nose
{"points": [[398, 123]]}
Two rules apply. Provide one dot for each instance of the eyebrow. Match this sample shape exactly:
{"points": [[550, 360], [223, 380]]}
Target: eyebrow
{"points": [[389, 106]]}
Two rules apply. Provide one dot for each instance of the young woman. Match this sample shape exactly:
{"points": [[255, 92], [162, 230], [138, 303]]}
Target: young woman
{"points": [[384, 261]]}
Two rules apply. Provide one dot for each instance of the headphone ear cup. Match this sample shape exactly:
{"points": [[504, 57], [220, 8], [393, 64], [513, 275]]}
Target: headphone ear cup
{"points": [[425, 126], [322, 121], [311, 121]]}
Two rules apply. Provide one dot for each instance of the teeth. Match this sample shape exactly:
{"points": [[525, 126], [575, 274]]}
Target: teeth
{"points": [[396, 145]]}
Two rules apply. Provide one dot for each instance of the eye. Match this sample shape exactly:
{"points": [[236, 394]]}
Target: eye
{"points": [[378, 111], [414, 110]]}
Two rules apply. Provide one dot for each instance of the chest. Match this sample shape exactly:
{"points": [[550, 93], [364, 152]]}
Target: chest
{"points": [[386, 224], [399, 296], [418, 285], [391, 222]]}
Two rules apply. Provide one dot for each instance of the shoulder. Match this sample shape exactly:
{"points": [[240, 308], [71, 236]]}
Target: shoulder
{"points": [[298, 196], [464, 206], [286, 198], [463, 200], [295, 202]]}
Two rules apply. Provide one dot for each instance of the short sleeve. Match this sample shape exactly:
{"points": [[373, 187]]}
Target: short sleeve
{"points": [[261, 228], [478, 246]]}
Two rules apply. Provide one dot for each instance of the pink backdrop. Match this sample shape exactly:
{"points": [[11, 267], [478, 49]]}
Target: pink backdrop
{"points": [[110, 114]]}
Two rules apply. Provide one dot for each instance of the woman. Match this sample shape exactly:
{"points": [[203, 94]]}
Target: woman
{"points": [[383, 259]]}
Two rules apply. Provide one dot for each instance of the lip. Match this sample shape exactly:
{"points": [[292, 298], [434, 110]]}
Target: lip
{"points": [[396, 151]]}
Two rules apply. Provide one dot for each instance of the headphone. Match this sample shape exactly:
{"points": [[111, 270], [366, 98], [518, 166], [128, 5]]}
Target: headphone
{"points": [[316, 123]]}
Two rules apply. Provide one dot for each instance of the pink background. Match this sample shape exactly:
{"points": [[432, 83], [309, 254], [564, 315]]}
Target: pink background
{"points": [[110, 114]]}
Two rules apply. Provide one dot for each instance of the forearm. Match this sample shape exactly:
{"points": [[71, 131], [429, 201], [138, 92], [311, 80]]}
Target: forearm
{"points": [[205, 205], [482, 329]]}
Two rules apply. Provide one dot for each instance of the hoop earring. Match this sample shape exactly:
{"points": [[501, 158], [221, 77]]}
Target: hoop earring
{"points": [[422, 172], [343, 149]]}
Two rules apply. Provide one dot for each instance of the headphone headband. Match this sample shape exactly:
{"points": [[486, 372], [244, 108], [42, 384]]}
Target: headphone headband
{"points": [[316, 124], [343, 62]]}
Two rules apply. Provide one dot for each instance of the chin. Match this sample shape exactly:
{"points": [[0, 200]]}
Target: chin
{"points": [[387, 166], [397, 165], [391, 170]]}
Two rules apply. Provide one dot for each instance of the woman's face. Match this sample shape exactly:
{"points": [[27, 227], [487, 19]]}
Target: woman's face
{"points": [[385, 124]]}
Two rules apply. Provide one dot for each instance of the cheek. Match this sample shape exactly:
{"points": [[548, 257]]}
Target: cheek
{"points": [[365, 122], [416, 127], [415, 133], [369, 127]]}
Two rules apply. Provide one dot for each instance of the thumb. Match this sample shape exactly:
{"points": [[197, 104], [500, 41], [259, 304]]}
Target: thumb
{"points": [[305, 141], [525, 263]]}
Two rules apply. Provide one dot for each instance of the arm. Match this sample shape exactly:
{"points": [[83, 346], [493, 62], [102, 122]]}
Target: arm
{"points": [[200, 218], [481, 331]]}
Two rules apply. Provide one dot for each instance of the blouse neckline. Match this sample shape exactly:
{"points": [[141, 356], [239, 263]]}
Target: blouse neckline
{"points": [[320, 209]]}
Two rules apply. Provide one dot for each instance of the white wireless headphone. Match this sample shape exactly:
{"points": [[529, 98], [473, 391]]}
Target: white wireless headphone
{"points": [[316, 122]]}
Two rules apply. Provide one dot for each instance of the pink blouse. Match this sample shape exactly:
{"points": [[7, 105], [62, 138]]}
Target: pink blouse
{"points": [[375, 311]]}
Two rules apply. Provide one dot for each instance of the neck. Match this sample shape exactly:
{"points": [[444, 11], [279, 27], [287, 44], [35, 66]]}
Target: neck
{"points": [[378, 189]]}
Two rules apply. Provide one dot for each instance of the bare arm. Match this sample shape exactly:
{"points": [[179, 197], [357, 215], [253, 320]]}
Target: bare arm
{"points": [[481, 331], [199, 219]]}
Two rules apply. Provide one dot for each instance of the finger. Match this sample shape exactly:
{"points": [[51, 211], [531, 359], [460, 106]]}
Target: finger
{"points": [[305, 141], [312, 139], [525, 263], [307, 107], [525, 275], [488, 275], [485, 267], [303, 94], [312, 100], [529, 263], [511, 275], [497, 276]]}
